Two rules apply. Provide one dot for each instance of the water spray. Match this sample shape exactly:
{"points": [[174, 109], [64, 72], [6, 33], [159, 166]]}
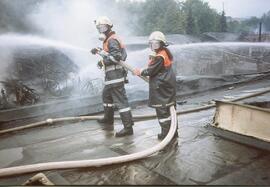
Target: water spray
{"points": [[97, 162], [106, 161]]}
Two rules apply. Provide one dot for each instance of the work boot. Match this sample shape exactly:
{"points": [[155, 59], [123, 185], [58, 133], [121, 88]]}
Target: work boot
{"points": [[162, 136], [107, 121], [165, 128], [124, 132], [127, 121]]}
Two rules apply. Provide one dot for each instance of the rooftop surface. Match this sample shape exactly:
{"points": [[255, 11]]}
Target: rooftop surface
{"points": [[196, 157]]}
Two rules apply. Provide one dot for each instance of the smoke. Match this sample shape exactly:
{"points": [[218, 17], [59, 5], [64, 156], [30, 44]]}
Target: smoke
{"points": [[13, 16], [72, 22], [62, 24], [6, 58], [68, 21]]}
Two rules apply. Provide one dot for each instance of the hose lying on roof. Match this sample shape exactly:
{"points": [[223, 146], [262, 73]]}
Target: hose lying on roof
{"points": [[135, 117], [106, 161], [97, 162]]}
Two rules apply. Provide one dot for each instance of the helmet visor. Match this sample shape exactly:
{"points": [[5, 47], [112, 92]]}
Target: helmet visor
{"points": [[154, 44], [102, 28]]}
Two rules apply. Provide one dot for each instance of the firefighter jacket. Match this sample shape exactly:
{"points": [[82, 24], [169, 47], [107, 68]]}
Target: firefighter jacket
{"points": [[162, 80], [114, 73]]}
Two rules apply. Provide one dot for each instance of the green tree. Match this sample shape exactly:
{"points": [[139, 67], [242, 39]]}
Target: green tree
{"points": [[266, 21], [223, 22], [205, 17], [165, 16], [174, 19], [251, 23], [191, 26], [233, 26]]}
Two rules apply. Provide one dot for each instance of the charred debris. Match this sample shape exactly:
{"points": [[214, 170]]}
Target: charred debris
{"points": [[39, 74]]}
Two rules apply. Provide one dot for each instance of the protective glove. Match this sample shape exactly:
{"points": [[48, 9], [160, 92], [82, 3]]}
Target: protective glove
{"points": [[137, 72], [152, 55], [100, 64], [94, 51]]}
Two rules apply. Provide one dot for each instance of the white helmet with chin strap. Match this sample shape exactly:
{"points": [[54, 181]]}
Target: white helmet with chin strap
{"points": [[155, 40], [157, 35], [103, 20], [103, 23]]}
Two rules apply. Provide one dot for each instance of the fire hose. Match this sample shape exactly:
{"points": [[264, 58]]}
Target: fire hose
{"points": [[107, 161], [135, 117], [114, 160], [97, 162]]}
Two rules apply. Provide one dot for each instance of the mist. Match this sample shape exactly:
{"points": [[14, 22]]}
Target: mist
{"points": [[69, 23], [72, 22]]}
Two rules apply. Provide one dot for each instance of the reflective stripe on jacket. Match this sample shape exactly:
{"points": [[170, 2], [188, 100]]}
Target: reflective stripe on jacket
{"points": [[114, 75]]}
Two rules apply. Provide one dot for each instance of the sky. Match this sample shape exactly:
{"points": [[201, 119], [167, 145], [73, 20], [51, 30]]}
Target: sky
{"points": [[241, 8]]}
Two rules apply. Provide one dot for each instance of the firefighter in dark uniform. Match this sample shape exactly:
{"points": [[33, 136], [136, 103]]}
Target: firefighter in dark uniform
{"points": [[114, 93], [162, 81]]}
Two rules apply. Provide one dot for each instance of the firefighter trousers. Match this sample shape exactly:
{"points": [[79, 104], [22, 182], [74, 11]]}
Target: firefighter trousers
{"points": [[116, 97], [164, 118]]}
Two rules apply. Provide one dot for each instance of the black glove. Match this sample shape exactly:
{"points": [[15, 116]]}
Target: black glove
{"points": [[94, 51], [100, 64]]}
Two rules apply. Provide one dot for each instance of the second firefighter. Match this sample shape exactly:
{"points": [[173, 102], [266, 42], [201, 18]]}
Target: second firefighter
{"points": [[162, 81]]}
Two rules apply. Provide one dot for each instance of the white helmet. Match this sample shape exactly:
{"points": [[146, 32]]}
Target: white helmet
{"points": [[159, 36], [103, 20]]}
